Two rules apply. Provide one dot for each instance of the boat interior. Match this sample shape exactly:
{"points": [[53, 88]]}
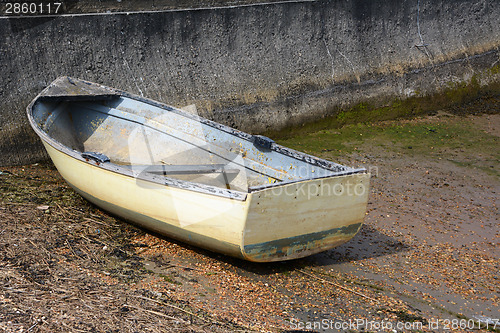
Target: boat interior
{"points": [[149, 138]]}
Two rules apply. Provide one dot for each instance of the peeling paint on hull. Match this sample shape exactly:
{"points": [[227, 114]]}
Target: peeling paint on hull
{"points": [[300, 246]]}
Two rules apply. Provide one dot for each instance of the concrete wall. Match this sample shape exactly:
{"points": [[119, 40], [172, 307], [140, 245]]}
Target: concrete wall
{"points": [[254, 67]]}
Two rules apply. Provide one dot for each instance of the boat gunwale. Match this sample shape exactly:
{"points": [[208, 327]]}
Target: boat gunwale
{"points": [[168, 181]]}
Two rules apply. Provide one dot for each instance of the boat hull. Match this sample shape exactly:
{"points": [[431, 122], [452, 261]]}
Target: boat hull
{"points": [[208, 221], [141, 160], [301, 219], [290, 222]]}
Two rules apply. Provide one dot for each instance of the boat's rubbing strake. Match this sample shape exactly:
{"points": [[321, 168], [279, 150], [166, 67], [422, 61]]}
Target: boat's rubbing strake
{"points": [[69, 89]]}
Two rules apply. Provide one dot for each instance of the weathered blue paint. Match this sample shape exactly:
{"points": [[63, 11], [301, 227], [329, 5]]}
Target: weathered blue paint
{"points": [[288, 246]]}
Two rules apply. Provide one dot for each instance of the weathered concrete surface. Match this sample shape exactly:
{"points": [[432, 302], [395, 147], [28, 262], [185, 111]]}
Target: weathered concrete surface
{"points": [[254, 67]]}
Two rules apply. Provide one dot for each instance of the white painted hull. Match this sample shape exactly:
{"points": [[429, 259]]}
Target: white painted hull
{"points": [[298, 220], [271, 222], [191, 217]]}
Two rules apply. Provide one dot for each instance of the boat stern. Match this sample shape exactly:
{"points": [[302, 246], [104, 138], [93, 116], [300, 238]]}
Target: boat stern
{"points": [[300, 219]]}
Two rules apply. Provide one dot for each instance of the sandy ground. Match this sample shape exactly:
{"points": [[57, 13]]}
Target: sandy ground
{"points": [[427, 258]]}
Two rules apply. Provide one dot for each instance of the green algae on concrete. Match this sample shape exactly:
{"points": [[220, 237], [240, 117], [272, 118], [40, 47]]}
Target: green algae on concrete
{"points": [[445, 137], [453, 98]]}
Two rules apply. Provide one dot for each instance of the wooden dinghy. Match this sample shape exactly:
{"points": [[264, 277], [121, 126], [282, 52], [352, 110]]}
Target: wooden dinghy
{"points": [[195, 180]]}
